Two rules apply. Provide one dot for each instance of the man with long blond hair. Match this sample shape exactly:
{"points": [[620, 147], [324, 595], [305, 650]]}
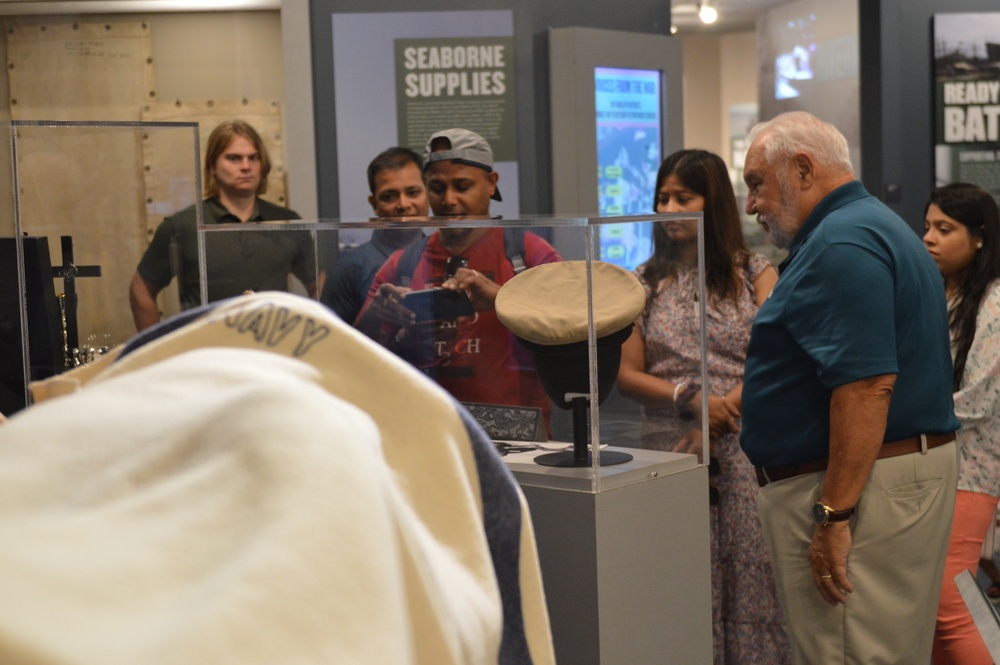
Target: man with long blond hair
{"points": [[236, 169]]}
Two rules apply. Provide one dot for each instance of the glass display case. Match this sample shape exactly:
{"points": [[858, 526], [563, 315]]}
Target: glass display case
{"points": [[82, 202], [458, 340]]}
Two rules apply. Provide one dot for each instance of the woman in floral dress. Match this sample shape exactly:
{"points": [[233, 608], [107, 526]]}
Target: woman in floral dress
{"points": [[661, 369]]}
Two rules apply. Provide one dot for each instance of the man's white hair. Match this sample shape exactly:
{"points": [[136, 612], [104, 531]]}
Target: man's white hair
{"points": [[798, 131]]}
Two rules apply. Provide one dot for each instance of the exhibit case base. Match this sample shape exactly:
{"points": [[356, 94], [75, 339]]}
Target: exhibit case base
{"points": [[626, 569]]}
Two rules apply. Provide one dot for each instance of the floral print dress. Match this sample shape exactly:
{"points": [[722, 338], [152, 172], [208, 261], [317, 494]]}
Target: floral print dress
{"points": [[747, 623], [977, 404]]}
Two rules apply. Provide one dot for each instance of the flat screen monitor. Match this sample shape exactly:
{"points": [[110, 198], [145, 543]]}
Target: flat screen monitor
{"points": [[628, 107], [791, 68], [809, 60]]}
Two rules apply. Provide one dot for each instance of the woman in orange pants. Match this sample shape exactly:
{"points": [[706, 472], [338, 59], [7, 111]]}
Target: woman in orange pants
{"points": [[963, 236]]}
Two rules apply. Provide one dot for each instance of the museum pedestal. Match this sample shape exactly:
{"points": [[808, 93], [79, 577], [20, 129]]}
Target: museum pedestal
{"points": [[626, 568]]}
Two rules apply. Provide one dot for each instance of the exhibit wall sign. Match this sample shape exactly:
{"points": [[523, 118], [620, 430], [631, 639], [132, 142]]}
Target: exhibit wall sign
{"points": [[967, 99], [468, 81], [400, 76]]}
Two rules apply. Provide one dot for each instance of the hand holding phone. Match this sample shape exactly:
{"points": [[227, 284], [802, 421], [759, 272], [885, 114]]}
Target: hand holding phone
{"points": [[438, 304]]}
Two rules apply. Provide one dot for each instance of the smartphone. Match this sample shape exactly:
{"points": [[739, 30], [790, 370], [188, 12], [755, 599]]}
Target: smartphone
{"points": [[438, 304]]}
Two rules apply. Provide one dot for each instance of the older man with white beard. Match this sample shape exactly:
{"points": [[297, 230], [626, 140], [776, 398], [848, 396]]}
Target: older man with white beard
{"points": [[847, 408]]}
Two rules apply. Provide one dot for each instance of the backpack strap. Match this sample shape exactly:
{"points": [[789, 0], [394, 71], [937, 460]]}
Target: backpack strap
{"points": [[513, 243], [409, 260]]}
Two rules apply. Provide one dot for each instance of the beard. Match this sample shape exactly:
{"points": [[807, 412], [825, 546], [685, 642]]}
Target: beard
{"points": [[777, 231], [782, 226]]}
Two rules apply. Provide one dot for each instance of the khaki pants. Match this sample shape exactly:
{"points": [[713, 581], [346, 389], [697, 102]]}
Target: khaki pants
{"points": [[900, 537]]}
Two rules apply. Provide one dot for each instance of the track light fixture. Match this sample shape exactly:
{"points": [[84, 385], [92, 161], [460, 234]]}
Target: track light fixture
{"points": [[707, 13]]}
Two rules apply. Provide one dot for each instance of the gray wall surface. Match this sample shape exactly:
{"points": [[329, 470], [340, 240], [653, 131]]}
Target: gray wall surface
{"points": [[897, 98], [531, 23]]}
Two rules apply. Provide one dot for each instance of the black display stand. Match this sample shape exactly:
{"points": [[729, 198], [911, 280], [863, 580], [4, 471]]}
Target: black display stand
{"points": [[564, 372], [69, 272], [580, 455]]}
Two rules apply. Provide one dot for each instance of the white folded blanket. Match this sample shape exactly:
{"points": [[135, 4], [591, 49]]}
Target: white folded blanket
{"points": [[258, 483]]}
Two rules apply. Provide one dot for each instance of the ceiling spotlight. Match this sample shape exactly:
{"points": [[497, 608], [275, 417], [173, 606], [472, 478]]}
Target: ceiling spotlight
{"points": [[707, 14], [673, 29]]}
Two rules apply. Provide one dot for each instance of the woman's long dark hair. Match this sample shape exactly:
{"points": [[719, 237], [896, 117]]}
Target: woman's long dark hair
{"points": [[974, 207], [706, 175]]}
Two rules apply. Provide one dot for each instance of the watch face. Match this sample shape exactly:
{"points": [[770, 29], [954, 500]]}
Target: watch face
{"points": [[819, 513]]}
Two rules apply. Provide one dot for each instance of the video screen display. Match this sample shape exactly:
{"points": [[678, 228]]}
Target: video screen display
{"points": [[809, 60], [628, 105], [791, 68]]}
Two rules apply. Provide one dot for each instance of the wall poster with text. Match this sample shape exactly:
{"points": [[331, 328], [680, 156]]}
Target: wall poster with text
{"points": [[467, 80], [967, 99]]}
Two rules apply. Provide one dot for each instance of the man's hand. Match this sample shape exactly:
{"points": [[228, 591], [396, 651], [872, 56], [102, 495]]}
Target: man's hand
{"points": [[828, 557], [385, 319], [482, 290], [387, 306], [858, 414]]}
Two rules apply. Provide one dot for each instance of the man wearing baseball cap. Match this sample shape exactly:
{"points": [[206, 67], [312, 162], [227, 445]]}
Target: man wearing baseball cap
{"points": [[449, 160], [473, 357]]}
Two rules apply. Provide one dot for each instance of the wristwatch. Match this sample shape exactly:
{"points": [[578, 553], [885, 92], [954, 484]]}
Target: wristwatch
{"points": [[824, 515]]}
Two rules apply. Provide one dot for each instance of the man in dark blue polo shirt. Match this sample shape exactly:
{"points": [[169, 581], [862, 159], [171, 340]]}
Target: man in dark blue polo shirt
{"points": [[396, 181], [847, 409]]}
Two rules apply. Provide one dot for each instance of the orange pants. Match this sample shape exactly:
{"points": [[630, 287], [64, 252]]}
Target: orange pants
{"points": [[956, 639]]}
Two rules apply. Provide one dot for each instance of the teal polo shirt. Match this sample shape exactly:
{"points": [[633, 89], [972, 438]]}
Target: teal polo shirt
{"points": [[858, 296]]}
